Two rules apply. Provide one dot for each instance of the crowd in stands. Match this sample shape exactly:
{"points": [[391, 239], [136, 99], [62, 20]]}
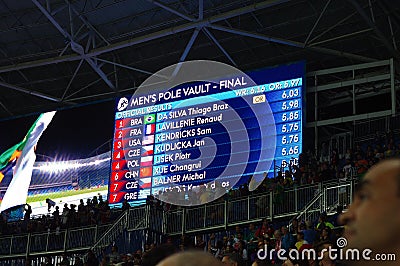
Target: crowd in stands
{"points": [[328, 166], [96, 211], [240, 245], [310, 170], [243, 242]]}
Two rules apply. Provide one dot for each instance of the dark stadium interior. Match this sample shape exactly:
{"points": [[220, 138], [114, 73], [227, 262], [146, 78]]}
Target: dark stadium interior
{"points": [[41, 70], [79, 57]]}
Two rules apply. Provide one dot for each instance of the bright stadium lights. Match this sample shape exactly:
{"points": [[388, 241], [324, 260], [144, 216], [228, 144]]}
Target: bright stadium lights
{"points": [[61, 166]]}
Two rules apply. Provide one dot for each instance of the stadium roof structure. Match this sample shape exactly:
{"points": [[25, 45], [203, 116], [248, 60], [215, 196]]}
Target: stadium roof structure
{"points": [[61, 53]]}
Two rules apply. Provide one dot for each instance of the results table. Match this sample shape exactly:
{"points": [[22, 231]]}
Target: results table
{"points": [[183, 147]]}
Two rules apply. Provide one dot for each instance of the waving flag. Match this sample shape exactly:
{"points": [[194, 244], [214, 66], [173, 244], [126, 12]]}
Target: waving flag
{"points": [[10, 156], [24, 155]]}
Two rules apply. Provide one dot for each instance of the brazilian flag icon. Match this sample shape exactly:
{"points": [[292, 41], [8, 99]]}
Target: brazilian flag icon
{"points": [[149, 119]]}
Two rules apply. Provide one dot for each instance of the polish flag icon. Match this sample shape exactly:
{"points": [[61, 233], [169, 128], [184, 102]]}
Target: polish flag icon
{"points": [[146, 161]]}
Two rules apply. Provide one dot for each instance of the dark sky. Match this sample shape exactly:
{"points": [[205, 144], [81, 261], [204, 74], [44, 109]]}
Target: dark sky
{"points": [[73, 133]]}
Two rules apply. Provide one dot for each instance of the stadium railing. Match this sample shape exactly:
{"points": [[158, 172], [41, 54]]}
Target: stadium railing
{"points": [[217, 215], [297, 202]]}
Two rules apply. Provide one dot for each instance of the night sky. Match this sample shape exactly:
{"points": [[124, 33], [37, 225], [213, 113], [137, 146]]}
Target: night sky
{"points": [[73, 133]]}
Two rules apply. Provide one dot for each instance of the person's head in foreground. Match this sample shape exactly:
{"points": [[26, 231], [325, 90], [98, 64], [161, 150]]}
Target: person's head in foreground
{"points": [[190, 258], [373, 219], [231, 259], [259, 262], [290, 262], [157, 254]]}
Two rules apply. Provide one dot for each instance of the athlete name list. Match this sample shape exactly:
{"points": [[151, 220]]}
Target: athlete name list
{"points": [[153, 150]]}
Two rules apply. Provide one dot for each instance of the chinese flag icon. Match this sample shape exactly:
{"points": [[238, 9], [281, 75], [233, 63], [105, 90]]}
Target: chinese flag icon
{"points": [[145, 172]]}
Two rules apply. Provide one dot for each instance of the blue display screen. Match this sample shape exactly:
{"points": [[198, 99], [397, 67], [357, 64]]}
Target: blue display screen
{"points": [[192, 143]]}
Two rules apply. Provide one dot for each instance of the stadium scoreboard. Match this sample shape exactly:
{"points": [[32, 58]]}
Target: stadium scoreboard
{"points": [[192, 143]]}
